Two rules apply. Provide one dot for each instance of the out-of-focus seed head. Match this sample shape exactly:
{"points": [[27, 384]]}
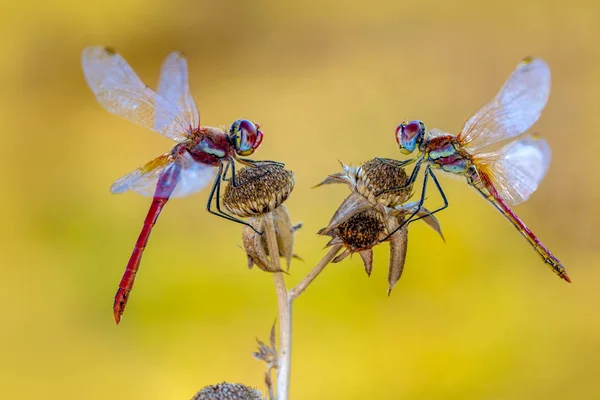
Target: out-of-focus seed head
{"points": [[259, 189], [228, 391]]}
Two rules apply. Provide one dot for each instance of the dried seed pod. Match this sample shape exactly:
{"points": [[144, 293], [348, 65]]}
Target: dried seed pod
{"points": [[377, 176], [362, 231], [358, 232], [228, 391], [363, 219], [259, 189]]}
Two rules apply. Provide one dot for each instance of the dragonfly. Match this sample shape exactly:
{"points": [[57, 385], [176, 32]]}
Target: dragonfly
{"points": [[201, 155], [505, 177]]}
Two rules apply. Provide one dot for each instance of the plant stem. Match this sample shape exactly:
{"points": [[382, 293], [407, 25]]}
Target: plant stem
{"points": [[300, 287], [285, 313], [284, 303]]}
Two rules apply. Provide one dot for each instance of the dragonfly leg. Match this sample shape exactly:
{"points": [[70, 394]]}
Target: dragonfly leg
{"points": [[421, 201], [396, 163], [224, 175], [440, 190], [411, 179], [248, 161], [216, 191], [253, 165]]}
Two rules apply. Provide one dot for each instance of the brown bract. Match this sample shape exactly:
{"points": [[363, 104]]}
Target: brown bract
{"points": [[259, 193], [364, 219]]}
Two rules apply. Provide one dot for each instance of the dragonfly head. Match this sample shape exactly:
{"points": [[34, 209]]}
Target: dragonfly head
{"points": [[245, 136], [410, 135]]}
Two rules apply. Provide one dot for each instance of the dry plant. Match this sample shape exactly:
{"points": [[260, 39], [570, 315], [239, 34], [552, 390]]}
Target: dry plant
{"points": [[364, 219]]}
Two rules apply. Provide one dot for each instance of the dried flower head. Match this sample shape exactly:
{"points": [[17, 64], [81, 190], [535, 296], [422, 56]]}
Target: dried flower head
{"points": [[380, 180], [364, 219], [258, 189], [259, 193], [228, 391]]}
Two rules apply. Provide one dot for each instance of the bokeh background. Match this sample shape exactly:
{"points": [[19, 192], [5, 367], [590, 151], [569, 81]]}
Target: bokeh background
{"points": [[477, 317]]}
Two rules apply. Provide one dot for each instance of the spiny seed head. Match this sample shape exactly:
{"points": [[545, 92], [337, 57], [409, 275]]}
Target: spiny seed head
{"points": [[363, 219], [362, 231], [228, 391], [379, 175], [259, 189]]}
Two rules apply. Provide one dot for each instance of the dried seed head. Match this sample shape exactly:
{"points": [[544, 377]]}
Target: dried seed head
{"points": [[362, 231], [259, 189], [380, 175], [363, 219], [228, 391]]}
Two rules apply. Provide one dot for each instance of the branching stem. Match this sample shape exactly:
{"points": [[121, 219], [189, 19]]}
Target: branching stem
{"points": [[285, 313], [284, 302], [301, 287]]}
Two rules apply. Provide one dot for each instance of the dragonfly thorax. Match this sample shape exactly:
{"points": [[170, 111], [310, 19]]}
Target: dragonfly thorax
{"points": [[445, 152]]}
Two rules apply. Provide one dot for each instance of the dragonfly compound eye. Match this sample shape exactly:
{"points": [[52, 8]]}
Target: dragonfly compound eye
{"points": [[246, 136], [408, 134]]}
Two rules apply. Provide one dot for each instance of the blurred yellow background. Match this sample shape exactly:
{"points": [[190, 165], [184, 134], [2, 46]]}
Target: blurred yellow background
{"points": [[477, 317]]}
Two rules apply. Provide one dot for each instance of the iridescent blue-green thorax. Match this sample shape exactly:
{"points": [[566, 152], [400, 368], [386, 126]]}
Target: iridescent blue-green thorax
{"points": [[445, 153]]}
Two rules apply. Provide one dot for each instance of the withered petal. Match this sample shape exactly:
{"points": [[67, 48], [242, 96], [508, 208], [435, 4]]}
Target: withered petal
{"points": [[398, 246], [431, 220], [254, 245], [334, 178], [353, 204], [284, 232], [335, 240], [341, 256], [367, 257]]}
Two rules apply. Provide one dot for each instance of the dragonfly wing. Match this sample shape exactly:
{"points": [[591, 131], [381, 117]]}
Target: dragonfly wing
{"points": [[517, 169], [121, 92], [515, 108], [193, 177], [173, 86], [434, 132]]}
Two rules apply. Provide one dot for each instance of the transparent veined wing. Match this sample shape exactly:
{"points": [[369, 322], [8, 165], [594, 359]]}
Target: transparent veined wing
{"points": [[515, 108], [193, 177], [174, 87], [120, 91], [517, 169], [435, 132]]}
